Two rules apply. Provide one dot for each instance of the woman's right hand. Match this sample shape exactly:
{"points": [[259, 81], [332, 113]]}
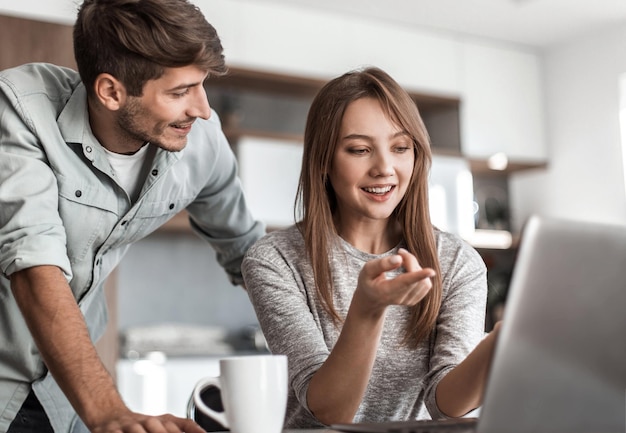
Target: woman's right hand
{"points": [[375, 290]]}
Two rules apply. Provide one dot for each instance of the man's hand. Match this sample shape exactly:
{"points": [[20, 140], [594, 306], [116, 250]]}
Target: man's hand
{"points": [[131, 422]]}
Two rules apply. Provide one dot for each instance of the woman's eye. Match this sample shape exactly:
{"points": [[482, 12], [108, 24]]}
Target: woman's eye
{"points": [[403, 149], [357, 151]]}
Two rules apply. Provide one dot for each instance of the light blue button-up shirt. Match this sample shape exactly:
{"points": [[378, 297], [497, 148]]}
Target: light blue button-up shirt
{"points": [[60, 205]]}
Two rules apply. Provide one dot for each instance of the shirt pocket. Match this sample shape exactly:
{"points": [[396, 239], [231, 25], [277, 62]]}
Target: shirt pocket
{"points": [[88, 214], [153, 214]]}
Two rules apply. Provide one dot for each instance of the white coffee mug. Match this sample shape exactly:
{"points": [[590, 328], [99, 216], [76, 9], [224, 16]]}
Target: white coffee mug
{"points": [[254, 393]]}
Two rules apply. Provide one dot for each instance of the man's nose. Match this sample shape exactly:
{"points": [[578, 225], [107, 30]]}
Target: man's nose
{"points": [[200, 105]]}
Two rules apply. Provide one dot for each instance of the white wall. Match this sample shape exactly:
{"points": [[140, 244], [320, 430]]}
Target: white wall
{"points": [[173, 278], [58, 11], [585, 177]]}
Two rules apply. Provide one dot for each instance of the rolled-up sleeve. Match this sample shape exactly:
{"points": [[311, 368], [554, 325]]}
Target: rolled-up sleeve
{"points": [[31, 231], [461, 320]]}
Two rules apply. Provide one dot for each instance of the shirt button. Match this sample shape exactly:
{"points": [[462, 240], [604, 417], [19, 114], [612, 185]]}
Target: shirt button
{"points": [[171, 206], [78, 193], [155, 172], [88, 149]]}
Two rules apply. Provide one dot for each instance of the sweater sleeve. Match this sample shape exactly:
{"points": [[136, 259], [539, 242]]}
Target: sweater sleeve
{"points": [[272, 271], [461, 321]]}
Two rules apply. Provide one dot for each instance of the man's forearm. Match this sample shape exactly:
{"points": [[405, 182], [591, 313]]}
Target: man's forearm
{"points": [[61, 335]]}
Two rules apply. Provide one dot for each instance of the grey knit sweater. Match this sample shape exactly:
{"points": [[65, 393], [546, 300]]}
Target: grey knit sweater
{"points": [[402, 386]]}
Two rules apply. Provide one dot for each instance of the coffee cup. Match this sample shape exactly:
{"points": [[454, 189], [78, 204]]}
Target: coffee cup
{"points": [[253, 391]]}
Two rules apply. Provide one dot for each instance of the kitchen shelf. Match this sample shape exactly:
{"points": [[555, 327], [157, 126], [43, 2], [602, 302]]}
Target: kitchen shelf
{"points": [[269, 105], [481, 167]]}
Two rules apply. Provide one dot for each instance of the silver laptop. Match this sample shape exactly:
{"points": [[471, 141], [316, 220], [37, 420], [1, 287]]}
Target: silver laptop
{"points": [[560, 361]]}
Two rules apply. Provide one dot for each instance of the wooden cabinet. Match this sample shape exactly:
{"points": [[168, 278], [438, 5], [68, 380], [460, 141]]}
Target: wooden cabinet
{"points": [[24, 41]]}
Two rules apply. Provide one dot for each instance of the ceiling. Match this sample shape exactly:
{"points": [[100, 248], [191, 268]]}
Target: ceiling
{"points": [[537, 23]]}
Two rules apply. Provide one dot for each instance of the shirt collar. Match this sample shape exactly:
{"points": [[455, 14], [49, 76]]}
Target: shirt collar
{"points": [[74, 119]]}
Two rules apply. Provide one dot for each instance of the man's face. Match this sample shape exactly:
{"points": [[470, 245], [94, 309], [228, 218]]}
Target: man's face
{"points": [[165, 111]]}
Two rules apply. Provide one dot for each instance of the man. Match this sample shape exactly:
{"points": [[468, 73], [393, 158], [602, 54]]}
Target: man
{"points": [[89, 165]]}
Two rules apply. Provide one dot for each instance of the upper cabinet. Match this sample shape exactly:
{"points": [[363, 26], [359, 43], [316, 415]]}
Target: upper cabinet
{"points": [[502, 106], [288, 39]]}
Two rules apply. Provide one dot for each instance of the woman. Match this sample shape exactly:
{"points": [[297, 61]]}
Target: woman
{"points": [[377, 310]]}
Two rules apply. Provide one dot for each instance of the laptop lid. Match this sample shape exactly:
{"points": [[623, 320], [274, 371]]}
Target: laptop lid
{"points": [[560, 362]]}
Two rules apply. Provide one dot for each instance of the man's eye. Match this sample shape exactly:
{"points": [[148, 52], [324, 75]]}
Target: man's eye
{"points": [[181, 94]]}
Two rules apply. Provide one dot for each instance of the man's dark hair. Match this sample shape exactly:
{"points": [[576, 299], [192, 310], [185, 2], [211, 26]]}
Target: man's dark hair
{"points": [[134, 40]]}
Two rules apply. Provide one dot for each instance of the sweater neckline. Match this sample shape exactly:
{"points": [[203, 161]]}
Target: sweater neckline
{"points": [[362, 255]]}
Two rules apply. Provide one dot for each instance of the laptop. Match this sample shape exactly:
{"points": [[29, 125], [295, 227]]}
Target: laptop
{"points": [[560, 359]]}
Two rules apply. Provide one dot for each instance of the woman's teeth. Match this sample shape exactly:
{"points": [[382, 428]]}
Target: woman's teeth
{"points": [[383, 190]]}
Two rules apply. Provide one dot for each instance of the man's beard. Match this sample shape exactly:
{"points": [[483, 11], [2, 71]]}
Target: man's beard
{"points": [[132, 130], [128, 125]]}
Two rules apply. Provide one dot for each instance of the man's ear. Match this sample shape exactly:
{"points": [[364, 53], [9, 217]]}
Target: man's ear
{"points": [[110, 92]]}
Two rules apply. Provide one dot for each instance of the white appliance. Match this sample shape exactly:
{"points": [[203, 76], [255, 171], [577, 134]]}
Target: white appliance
{"points": [[157, 384]]}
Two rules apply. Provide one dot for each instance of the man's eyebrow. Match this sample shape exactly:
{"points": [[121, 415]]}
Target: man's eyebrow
{"points": [[184, 86]]}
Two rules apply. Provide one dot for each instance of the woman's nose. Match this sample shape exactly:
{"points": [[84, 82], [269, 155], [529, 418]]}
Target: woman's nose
{"points": [[382, 165]]}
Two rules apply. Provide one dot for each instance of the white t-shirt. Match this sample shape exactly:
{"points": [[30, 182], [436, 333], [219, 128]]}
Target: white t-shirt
{"points": [[129, 170]]}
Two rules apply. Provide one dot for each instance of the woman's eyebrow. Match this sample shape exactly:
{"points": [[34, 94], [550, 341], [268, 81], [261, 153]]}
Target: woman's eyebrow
{"points": [[356, 136]]}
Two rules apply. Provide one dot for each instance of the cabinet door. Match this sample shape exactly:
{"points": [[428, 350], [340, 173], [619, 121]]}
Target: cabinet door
{"points": [[502, 104], [269, 170]]}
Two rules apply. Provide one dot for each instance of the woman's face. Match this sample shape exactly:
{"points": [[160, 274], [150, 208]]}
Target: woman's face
{"points": [[372, 164]]}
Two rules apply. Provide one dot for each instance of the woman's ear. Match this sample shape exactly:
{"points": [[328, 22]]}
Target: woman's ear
{"points": [[109, 91]]}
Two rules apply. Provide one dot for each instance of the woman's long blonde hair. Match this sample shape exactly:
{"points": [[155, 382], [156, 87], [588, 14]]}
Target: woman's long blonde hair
{"points": [[316, 201]]}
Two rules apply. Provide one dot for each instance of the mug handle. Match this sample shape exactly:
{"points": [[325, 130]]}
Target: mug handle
{"points": [[200, 386]]}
